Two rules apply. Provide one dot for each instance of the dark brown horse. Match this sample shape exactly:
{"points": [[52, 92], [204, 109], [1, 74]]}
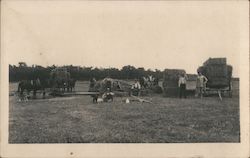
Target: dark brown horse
{"points": [[33, 85], [71, 84]]}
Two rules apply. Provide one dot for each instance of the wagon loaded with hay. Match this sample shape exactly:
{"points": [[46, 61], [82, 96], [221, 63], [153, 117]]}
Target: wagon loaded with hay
{"points": [[219, 76], [59, 78]]}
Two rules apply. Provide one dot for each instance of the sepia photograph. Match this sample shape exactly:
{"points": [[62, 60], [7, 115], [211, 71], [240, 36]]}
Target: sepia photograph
{"points": [[124, 72]]}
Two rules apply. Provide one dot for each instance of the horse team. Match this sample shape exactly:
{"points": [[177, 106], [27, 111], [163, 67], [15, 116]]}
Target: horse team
{"points": [[43, 84], [60, 81]]}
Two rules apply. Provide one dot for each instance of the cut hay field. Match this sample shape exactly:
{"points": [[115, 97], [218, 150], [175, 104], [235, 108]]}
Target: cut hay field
{"points": [[168, 120]]}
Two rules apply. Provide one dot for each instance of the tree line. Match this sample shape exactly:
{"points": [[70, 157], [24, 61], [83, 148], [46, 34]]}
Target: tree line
{"points": [[24, 72]]}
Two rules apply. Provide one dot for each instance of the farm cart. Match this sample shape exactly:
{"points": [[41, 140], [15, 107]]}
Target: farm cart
{"points": [[60, 81], [226, 91], [219, 76]]}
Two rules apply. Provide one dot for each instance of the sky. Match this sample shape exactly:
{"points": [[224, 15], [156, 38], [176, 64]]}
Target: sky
{"points": [[155, 35]]}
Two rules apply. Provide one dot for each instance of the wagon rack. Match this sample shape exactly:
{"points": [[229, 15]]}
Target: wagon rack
{"points": [[221, 92], [61, 93], [77, 93], [219, 76]]}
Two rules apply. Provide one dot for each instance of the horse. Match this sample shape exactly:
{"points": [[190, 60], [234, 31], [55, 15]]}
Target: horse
{"points": [[71, 84], [59, 84], [33, 85]]}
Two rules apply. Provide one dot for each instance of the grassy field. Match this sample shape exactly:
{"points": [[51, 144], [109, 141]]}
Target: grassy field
{"points": [[168, 120]]}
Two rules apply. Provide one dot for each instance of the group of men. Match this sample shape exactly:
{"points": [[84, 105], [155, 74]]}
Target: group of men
{"points": [[148, 81], [200, 85], [106, 89], [137, 85]]}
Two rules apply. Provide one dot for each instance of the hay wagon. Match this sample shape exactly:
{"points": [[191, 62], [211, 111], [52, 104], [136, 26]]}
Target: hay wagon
{"points": [[219, 76], [59, 78]]}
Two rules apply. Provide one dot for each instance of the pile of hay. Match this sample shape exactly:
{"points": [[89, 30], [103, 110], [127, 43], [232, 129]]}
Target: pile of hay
{"points": [[59, 77], [170, 82], [124, 85], [215, 61], [217, 71], [60, 74], [116, 85]]}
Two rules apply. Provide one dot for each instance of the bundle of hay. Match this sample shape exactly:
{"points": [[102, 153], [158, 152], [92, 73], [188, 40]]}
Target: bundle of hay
{"points": [[123, 85], [215, 61], [116, 85], [59, 77], [101, 86], [170, 81], [60, 74], [217, 71]]}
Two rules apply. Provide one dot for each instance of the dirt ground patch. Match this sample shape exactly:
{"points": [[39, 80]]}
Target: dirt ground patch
{"points": [[168, 120]]}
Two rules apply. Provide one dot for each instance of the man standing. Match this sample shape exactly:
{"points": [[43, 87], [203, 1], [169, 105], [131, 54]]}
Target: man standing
{"points": [[182, 86], [201, 84], [92, 84]]}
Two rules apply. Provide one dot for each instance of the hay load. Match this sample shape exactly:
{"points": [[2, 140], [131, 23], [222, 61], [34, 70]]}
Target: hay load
{"points": [[170, 81], [59, 76], [217, 71], [215, 61], [113, 84]]}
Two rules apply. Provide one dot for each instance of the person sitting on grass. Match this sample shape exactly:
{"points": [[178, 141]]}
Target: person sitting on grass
{"points": [[108, 95], [200, 84]]}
